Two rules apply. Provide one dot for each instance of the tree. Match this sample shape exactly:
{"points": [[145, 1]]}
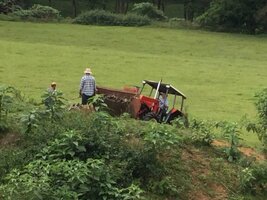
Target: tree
{"points": [[160, 4], [94, 4], [121, 6], [188, 10], [74, 8], [233, 15]]}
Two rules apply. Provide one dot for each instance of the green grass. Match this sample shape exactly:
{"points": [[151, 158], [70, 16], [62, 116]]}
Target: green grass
{"points": [[218, 72]]}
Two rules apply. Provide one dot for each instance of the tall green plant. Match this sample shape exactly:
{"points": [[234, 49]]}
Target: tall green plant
{"points": [[98, 103], [260, 125], [54, 104], [8, 96], [231, 132], [202, 131]]}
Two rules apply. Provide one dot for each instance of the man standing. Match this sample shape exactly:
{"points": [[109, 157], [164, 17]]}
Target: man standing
{"points": [[87, 86]]}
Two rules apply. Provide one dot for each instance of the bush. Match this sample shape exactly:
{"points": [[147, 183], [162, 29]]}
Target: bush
{"points": [[261, 105], [148, 10], [254, 179], [45, 13], [232, 15], [261, 18], [101, 17]]}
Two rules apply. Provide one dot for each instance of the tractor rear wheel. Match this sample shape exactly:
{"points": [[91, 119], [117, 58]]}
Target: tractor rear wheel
{"points": [[150, 116]]}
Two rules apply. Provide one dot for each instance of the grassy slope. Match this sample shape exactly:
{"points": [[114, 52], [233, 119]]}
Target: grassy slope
{"points": [[218, 72]]}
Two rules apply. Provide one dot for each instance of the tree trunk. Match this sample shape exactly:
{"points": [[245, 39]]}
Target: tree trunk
{"points": [[160, 4], [74, 8], [121, 6], [188, 10], [50, 2]]}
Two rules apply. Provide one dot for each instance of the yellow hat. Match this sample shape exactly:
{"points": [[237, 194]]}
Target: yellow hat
{"points": [[53, 83], [87, 71]]}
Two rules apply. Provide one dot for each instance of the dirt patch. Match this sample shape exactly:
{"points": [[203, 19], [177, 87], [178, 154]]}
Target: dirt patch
{"points": [[247, 151], [199, 163], [9, 139], [250, 152]]}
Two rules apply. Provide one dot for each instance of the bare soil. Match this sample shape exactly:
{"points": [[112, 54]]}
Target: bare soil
{"points": [[247, 151], [9, 139], [200, 167]]}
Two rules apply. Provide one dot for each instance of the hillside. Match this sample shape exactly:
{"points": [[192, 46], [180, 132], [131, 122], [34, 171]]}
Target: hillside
{"points": [[59, 154]]}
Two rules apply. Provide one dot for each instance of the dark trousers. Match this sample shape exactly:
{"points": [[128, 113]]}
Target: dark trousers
{"points": [[85, 99]]}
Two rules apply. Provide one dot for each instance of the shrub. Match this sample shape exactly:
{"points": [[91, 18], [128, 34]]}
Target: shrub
{"points": [[135, 20], [101, 17], [9, 96], [261, 105], [261, 18], [202, 132], [62, 179], [254, 179], [232, 15], [45, 13], [231, 131], [148, 10]]}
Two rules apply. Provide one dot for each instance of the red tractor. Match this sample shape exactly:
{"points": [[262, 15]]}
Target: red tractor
{"points": [[151, 107], [145, 107]]}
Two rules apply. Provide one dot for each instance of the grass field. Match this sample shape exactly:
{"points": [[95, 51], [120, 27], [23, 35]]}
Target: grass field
{"points": [[218, 72]]}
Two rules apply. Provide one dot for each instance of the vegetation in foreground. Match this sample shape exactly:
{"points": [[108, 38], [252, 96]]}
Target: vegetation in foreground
{"points": [[60, 154]]}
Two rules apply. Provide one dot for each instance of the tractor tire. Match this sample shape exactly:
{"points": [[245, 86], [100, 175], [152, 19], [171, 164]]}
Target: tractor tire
{"points": [[150, 116]]}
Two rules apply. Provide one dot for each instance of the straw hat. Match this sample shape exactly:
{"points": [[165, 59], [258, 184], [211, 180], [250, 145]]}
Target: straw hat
{"points": [[87, 71], [53, 83]]}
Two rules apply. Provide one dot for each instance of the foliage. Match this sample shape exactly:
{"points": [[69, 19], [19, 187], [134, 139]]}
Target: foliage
{"points": [[202, 132], [148, 10], [63, 179], [65, 146], [11, 158], [98, 103], [261, 18], [8, 97], [231, 132], [260, 127], [261, 105], [37, 11], [254, 179], [54, 104], [233, 14], [101, 17], [30, 120]]}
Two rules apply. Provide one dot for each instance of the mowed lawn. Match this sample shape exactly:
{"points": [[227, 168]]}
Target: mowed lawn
{"points": [[219, 72]]}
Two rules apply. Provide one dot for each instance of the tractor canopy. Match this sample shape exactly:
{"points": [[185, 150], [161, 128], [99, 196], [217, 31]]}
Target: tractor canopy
{"points": [[164, 87]]}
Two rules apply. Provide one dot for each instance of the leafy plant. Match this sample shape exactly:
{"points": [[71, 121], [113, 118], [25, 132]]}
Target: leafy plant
{"points": [[30, 120], [202, 132], [253, 180], [260, 126], [148, 10], [231, 132], [38, 12], [245, 178], [8, 96], [101, 17], [54, 104], [66, 146], [98, 103]]}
